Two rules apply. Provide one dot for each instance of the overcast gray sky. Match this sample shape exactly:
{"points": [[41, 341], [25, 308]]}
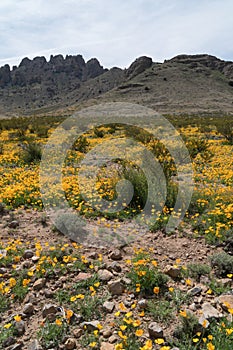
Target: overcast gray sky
{"points": [[115, 31]]}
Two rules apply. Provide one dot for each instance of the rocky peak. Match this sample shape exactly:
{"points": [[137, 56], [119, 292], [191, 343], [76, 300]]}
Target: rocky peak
{"points": [[5, 75], [139, 66], [206, 60], [38, 71], [94, 68]]}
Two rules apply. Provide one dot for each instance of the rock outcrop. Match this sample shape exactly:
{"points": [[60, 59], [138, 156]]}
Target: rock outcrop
{"points": [[139, 66]]}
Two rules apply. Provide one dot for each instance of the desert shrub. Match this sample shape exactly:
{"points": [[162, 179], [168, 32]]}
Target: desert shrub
{"points": [[197, 270], [32, 152], [226, 129], [138, 179], [197, 145], [223, 263], [81, 144]]}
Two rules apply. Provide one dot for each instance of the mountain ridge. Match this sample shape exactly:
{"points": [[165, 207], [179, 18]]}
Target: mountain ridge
{"points": [[184, 83]]}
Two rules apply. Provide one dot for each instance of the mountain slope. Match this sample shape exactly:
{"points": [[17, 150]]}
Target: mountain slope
{"points": [[185, 83]]}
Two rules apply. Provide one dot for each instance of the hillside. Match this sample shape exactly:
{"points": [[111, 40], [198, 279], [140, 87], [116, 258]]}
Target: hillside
{"points": [[185, 83]]}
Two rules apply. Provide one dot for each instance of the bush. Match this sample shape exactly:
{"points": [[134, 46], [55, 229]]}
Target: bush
{"points": [[223, 263], [198, 270], [226, 129], [32, 152]]}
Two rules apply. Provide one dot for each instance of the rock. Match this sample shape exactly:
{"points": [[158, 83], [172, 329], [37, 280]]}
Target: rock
{"points": [[78, 332], [48, 293], [93, 68], [209, 312], [17, 346], [113, 339], [20, 327], [3, 270], [114, 266], [107, 346], [173, 272], [35, 259], [82, 276], [28, 309], [108, 306], [13, 224], [126, 280], [8, 342], [70, 344], [104, 275], [226, 301], [193, 307], [49, 309], [5, 76], [90, 326], [155, 331], [115, 287], [142, 304], [28, 254], [139, 66], [195, 291], [93, 255], [107, 333], [115, 255], [39, 284], [34, 345]]}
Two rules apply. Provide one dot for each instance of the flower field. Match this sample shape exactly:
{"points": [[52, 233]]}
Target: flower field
{"points": [[210, 212], [161, 292]]}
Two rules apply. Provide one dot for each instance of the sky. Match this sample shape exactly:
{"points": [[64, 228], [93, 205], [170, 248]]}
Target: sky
{"points": [[116, 32]]}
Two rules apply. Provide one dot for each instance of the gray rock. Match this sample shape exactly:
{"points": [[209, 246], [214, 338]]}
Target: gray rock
{"points": [[77, 332], [28, 254], [34, 345], [209, 312], [155, 331], [114, 266], [115, 287], [39, 284], [28, 309], [107, 346], [195, 291], [139, 66], [13, 224], [104, 275], [48, 293], [3, 270], [20, 327], [17, 346], [70, 344], [173, 272], [107, 333], [142, 304], [82, 276], [226, 301], [108, 306], [90, 326], [49, 309], [113, 339], [115, 255], [8, 342]]}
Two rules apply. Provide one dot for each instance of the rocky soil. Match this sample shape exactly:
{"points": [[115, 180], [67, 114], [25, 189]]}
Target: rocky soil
{"points": [[111, 266]]}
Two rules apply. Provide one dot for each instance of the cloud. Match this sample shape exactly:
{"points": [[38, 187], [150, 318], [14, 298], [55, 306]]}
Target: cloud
{"points": [[113, 31]]}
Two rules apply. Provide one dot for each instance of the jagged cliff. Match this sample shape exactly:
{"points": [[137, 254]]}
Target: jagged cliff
{"points": [[183, 83]]}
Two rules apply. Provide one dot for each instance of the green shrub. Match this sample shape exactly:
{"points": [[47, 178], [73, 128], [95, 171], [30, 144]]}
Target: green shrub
{"points": [[223, 263], [32, 152], [197, 270]]}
